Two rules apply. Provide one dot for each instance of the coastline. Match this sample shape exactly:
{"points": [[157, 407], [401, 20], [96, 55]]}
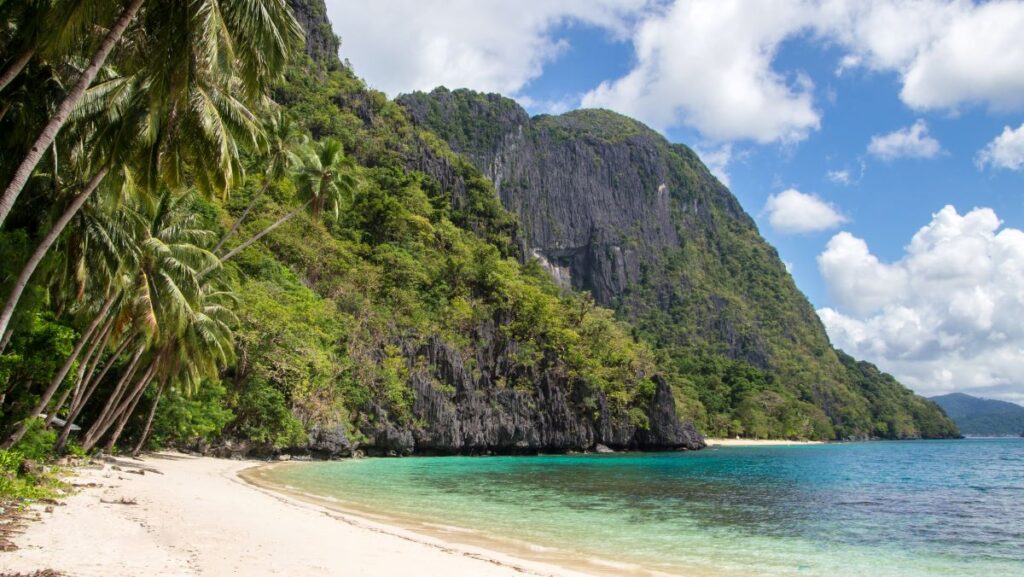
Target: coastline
{"points": [[170, 514], [723, 442]]}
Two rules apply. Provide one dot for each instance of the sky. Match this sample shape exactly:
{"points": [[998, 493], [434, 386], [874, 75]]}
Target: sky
{"points": [[878, 144]]}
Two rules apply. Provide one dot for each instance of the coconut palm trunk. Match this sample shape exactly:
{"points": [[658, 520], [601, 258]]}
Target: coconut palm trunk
{"points": [[256, 237], [114, 399], [241, 218], [64, 110], [15, 67], [58, 378], [149, 421], [44, 247], [118, 408], [88, 360], [128, 411], [83, 395]]}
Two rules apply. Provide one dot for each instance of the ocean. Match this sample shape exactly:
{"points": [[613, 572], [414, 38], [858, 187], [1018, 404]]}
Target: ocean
{"points": [[900, 509]]}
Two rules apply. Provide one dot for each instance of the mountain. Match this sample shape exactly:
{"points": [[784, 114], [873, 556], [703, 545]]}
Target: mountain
{"points": [[609, 207], [983, 417]]}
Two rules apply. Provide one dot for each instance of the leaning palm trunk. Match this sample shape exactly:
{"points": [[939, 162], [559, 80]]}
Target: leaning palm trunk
{"points": [[83, 365], [118, 408], [15, 67], [256, 237], [44, 247], [242, 217], [128, 411], [59, 377], [67, 106], [89, 386], [149, 421], [114, 399]]}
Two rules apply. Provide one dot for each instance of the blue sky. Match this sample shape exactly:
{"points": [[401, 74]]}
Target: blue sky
{"points": [[845, 128]]}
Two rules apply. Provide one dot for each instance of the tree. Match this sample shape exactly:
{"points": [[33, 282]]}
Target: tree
{"points": [[325, 182]]}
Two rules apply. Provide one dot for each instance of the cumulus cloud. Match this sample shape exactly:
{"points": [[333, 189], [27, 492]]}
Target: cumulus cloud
{"points": [[944, 317], [910, 142], [709, 65], [1006, 151], [405, 45], [794, 212]]}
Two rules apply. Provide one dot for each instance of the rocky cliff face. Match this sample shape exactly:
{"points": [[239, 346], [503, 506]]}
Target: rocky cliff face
{"points": [[459, 410], [321, 42], [610, 207]]}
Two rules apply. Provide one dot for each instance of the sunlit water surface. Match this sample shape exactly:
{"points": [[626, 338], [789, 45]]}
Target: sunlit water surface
{"points": [[902, 509]]}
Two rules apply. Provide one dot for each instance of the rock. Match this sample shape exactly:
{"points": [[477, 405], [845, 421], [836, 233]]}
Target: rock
{"points": [[329, 442], [284, 457], [29, 467], [602, 449], [471, 414]]}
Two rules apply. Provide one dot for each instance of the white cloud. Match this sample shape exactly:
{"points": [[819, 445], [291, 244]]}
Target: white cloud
{"points": [[405, 45], [708, 64], [1006, 151], [944, 317], [704, 64], [910, 142], [793, 212], [717, 160], [839, 176]]}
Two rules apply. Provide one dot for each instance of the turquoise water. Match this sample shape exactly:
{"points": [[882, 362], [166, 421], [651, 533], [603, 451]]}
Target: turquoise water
{"points": [[904, 509]]}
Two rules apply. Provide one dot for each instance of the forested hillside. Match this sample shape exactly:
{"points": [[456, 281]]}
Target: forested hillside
{"points": [[610, 207], [282, 265], [224, 242]]}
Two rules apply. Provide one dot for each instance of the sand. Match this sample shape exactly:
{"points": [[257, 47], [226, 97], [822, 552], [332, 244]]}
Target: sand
{"points": [[756, 442], [197, 517]]}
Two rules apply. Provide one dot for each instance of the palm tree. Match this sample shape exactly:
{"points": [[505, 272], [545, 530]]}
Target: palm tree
{"points": [[325, 181], [170, 303], [283, 140], [249, 40], [64, 110], [181, 117]]}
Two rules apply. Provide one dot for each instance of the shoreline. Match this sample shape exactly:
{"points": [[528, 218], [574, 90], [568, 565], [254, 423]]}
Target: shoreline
{"points": [[174, 515], [724, 442]]}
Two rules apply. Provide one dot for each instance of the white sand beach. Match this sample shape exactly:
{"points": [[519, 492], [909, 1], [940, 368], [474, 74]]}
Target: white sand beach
{"points": [[756, 442], [197, 517]]}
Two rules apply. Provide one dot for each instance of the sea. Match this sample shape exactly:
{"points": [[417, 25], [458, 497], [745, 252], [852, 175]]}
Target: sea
{"points": [[872, 509]]}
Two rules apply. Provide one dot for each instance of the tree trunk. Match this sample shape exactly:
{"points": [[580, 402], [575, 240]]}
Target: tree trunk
{"points": [[83, 364], [53, 127], [149, 421], [129, 410], [44, 247], [241, 217], [90, 436], [59, 377], [256, 237], [88, 387], [15, 67], [127, 403]]}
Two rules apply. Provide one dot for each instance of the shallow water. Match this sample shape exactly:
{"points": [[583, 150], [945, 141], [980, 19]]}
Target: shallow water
{"points": [[904, 509]]}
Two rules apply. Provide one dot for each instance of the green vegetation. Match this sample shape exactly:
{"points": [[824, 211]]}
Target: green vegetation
{"points": [[740, 344], [232, 243], [983, 417], [227, 267]]}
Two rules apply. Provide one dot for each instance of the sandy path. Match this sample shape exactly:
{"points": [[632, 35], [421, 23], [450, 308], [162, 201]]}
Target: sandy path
{"points": [[199, 518]]}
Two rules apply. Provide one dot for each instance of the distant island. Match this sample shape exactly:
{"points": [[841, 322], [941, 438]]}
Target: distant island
{"points": [[983, 417]]}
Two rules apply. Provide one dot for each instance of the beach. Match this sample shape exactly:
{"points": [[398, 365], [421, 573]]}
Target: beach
{"points": [[724, 442], [186, 516]]}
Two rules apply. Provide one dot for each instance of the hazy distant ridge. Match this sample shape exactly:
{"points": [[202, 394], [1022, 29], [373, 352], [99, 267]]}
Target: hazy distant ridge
{"points": [[976, 416]]}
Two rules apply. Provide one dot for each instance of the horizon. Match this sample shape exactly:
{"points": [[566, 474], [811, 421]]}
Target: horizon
{"points": [[890, 188]]}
